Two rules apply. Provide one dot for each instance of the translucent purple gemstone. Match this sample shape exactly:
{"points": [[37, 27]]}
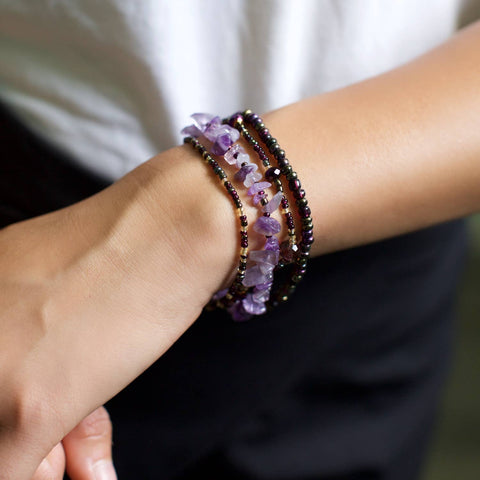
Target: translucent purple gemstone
{"points": [[252, 178], [274, 203], [261, 294], [258, 186], [254, 276], [216, 130], [253, 306], [238, 313], [241, 175], [232, 153], [242, 158], [272, 244], [224, 140], [269, 257], [204, 119], [267, 226], [192, 131]]}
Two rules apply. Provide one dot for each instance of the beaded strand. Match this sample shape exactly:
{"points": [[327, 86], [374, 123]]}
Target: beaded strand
{"points": [[300, 257], [226, 298]]}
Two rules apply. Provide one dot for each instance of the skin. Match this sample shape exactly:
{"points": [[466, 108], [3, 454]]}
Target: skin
{"points": [[93, 294]]}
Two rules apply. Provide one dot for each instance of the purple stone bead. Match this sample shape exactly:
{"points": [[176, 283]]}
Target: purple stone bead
{"points": [[267, 226], [272, 244], [222, 143], [192, 131], [264, 286], [241, 175], [266, 259], [257, 187], [252, 306], [252, 178], [254, 276], [274, 203], [261, 294], [238, 313], [214, 131], [204, 119], [264, 256], [241, 159], [232, 153]]}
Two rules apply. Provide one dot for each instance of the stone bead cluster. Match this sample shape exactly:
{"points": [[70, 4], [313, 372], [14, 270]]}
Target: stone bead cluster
{"points": [[253, 290]]}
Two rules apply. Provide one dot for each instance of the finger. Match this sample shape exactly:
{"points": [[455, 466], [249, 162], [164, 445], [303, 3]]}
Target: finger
{"points": [[88, 448], [52, 466]]}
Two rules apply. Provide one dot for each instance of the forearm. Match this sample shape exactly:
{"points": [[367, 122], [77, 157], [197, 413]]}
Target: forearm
{"points": [[392, 154]]}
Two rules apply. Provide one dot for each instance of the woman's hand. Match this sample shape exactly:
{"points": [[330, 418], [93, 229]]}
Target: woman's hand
{"points": [[86, 452], [93, 294]]}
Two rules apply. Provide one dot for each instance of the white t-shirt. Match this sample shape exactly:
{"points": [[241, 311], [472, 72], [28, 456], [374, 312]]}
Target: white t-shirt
{"points": [[112, 82]]}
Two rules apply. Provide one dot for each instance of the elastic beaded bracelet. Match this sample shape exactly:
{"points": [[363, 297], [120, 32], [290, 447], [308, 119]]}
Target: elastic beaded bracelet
{"points": [[245, 298], [227, 298], [289, 247], [300, 257]]}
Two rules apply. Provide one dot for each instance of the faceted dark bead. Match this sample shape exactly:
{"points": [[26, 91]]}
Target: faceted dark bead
{"points": [[272, 173]]}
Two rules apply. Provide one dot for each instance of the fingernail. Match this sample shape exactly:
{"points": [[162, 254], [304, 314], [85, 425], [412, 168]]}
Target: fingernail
{"points": [[103, 470]]}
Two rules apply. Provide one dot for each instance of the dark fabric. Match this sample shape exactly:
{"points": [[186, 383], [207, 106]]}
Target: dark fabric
{"points": [[340, 383]]}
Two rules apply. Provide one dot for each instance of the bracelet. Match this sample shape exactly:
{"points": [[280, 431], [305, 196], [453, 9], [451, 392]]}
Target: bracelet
{"points": [[250, 293]]}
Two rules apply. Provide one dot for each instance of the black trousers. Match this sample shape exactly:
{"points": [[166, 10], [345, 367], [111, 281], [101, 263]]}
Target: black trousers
{"points": [[340, 383]]}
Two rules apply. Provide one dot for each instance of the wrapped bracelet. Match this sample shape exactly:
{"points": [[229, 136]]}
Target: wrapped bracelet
{"points": [[251, 292]]}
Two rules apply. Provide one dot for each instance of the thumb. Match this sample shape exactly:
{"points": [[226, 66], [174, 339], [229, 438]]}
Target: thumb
{"points": [[88, 448]]}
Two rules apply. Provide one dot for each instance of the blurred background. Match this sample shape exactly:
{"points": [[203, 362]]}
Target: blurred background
{"points": [[455, 452]]}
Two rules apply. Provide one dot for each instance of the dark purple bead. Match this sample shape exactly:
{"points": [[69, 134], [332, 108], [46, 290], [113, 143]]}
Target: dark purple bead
{"points": [[279, 154], [294, 184], [298, 194], [263, 132], [305, 211], [283, 162], [307, 240], [272, 173]]}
